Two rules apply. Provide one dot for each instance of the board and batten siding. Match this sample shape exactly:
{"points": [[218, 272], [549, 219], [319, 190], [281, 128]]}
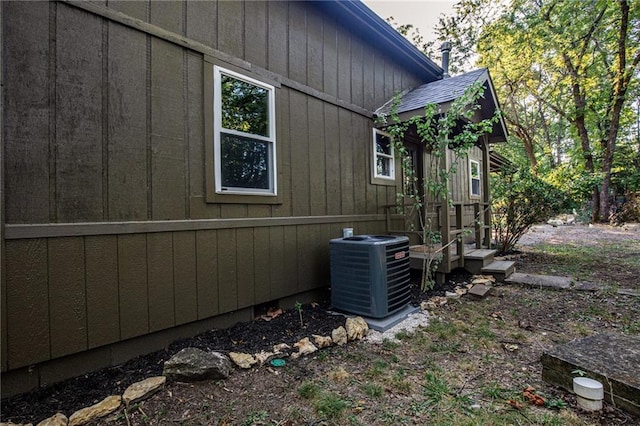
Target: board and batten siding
{"points": [[108, 233]]}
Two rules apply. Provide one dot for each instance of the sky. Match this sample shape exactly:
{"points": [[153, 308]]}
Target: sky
{"points": [[422, 14]]}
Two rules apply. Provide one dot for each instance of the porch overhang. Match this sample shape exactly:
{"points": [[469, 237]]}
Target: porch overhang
{"points": [[443, 93]]}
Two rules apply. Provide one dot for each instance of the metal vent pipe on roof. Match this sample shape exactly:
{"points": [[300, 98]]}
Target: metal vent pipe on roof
{"points": [[445, 48]]}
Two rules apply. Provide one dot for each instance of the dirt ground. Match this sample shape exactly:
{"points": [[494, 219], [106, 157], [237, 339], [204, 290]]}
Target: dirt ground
{"points": [[469, 366]]}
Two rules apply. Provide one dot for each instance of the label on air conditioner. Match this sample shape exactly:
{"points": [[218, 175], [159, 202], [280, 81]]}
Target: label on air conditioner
{"points": [[399, 255]]}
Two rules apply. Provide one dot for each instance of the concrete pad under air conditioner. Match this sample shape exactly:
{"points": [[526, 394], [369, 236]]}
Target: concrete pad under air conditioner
{"points": [[383, 324]]}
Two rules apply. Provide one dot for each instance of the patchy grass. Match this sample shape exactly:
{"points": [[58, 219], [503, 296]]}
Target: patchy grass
{"points": [[621, 258]]}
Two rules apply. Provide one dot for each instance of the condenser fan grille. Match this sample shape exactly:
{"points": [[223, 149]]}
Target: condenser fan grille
{"points": [[370, 274]]}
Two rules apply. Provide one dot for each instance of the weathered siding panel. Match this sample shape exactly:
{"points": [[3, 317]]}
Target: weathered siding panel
{"points": [[101, 263], [255, 33], [207, 273], [299, 154], [27, 302], [167, 14], [167, 132], [26, 110], [202, 22], [330, 57], [317, 165], [347, 147], [291, 256], [344, 66], [135, 9], [127, 118], [283, 149], [332, 146], [368, 77], [78, 116], [227, 271], [245, 267], [361, 171], [185, 277], [276, 262], [357, 71], [67, 296], [230, 28], [261, 265], [132, 285], [278, 37], [305, 277], [297, 42], [314, 49], [160, 286]]}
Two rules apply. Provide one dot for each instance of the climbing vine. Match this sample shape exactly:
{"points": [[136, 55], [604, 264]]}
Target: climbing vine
{"points": [[440, 132]]}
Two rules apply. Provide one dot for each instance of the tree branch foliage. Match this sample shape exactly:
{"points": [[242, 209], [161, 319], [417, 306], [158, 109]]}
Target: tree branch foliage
{"points": [[567, 73]]}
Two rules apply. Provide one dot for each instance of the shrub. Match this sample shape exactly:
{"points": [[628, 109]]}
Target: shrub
{"points": [[520, 200]]}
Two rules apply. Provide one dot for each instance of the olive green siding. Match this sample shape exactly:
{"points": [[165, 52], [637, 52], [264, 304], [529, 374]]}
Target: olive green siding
{"points": [[108, 232]]}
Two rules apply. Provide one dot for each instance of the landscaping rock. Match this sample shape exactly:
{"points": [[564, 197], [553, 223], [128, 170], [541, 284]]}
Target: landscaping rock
{"points": [[57, 419], [339, 336], [143, 389], [356, 328], [243, 360], [281, 348], [305, 347], [322, 341], [433, 303], [15, 424], [101, 409], [263, 356], [192, 364]]}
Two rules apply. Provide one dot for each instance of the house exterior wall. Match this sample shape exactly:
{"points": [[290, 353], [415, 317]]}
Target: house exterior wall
{"points": [[107, 233]]}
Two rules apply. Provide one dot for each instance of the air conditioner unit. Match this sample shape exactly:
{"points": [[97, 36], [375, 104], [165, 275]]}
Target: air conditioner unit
{"points": [[370, 274]]}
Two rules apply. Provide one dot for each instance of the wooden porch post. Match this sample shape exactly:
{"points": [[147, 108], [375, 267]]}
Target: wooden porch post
{"points": [[445, 220], [486, 191]]}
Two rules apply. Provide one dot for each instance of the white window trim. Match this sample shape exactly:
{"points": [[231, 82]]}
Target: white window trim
{"points": [[217, 129], [471, 178], [376, 154]]}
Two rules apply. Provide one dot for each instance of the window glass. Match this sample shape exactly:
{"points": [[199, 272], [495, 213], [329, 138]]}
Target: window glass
{"points": [[245, 162], [383, 158], [244, 106], [474, 173], [244, 135]]}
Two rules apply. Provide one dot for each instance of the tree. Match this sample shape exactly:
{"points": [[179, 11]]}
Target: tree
{"points": [[576, 60]]}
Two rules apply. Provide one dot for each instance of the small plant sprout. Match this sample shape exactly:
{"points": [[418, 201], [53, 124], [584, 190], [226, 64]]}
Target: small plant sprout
{"points": [[579, 372], [298, 307]]}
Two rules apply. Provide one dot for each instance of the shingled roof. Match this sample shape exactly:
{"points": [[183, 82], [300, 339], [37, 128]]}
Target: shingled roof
{"points": [[436, 92], [442, 92]]}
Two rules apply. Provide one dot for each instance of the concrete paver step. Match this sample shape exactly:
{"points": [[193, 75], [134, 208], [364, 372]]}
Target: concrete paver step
{"points": [[501, 269]]}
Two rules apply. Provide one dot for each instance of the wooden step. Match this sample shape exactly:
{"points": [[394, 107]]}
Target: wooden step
{"points": [[475, 260], [501, 269]]}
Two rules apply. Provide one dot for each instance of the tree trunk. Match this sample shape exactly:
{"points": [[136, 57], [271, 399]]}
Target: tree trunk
{"points": [[621, 84]]}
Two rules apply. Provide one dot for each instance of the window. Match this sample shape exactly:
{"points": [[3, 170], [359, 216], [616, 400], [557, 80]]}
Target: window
{"points": [[244, 134], [383, 159], [474, 178]]}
